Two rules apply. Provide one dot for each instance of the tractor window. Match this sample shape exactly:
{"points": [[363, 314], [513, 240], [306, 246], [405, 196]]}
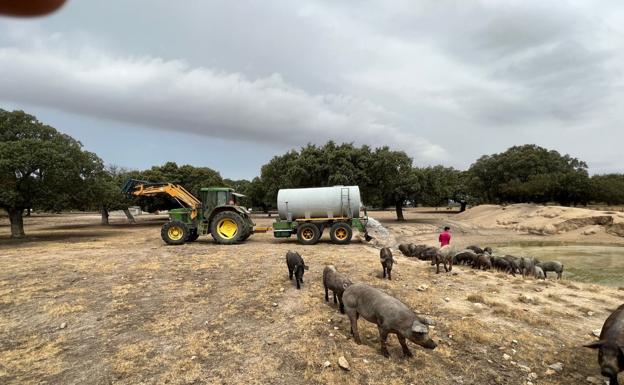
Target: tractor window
{"points": [[221, 198]]}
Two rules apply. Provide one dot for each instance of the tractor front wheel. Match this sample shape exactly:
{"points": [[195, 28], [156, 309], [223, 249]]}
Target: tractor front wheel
{"points": [[174, 232], [341, 233], [308, 234], [227, 227]]}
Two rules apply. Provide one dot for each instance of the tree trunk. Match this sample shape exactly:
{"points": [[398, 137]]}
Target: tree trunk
{"points": [[104, 212], [129, 215], [28, 210], [17, 223], [462, 207], [399, 210]]}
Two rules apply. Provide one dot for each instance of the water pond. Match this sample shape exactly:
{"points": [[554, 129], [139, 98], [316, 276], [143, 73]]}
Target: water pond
{"points": [[600, 264]]}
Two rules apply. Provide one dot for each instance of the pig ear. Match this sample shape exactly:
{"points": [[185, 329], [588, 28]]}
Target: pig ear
{"points": [[417, 327], [595, 345]]}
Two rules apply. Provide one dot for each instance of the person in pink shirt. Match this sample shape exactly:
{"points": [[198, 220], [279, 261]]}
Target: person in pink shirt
{"points": [[445, 237]]}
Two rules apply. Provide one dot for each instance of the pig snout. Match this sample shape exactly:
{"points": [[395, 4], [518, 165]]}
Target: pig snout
{"points": [[424, 340], [429, 344]]}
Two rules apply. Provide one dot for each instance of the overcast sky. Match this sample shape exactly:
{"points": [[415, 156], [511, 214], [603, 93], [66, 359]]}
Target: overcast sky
{"points": [[229, 84]]}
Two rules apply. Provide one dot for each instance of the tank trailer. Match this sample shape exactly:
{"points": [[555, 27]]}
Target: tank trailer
{"points": [[307, 212]]}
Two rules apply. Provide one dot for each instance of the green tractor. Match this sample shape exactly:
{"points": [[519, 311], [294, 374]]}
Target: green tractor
{"points": [[216, 212]]}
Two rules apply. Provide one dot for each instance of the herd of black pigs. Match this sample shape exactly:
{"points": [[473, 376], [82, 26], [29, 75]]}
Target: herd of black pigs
{"points": [[393, 317]]}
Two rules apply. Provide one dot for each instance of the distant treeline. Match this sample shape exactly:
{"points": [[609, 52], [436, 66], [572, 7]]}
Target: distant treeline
{"points": [[43, 169]]}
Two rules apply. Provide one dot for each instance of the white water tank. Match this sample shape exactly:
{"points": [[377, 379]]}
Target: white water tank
{"points": [[319, 202]]}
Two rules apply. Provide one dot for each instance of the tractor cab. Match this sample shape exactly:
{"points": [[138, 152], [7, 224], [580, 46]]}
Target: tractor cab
{"points": [[213, 197]]}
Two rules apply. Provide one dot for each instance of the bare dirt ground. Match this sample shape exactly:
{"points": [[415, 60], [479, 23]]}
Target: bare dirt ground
{"points": [[86, 304]]}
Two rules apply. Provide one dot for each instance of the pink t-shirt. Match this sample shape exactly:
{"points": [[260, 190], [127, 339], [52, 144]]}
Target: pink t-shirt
{"points": [[445, 238]]}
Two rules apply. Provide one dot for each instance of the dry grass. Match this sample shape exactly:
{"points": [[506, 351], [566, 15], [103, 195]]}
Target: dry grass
{"points": [[202, 313], [59, 310], [476, 298]]}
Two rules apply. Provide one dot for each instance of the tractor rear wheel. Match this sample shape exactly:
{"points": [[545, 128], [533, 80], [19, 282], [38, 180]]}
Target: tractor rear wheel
{"points": [[227, 227], [174, 232], [308, 234], [341, 233], [247, 234]]}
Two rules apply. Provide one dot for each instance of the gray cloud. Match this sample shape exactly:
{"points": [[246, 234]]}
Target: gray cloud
{"points": [[171, 95], [445, 80]]}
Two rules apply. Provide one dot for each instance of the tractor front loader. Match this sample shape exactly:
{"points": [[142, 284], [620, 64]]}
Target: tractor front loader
{"points": [[215, 212]]}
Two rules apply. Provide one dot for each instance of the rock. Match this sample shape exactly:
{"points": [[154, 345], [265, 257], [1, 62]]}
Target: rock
{"points": [[596, 332], [428, 321], [595, 380], [422, 287], [549, 372], [281, 289], [331, 334], [193, 358], [506, 357], [343, 363], [515, 342], [447, 299], [63, 325], [557, 367], [590, 313], [532, 376], [525, 368], [527, 299], [365, 361], [478, 305], [274, 304], [335, 327], [529, 383], [326, 364]]}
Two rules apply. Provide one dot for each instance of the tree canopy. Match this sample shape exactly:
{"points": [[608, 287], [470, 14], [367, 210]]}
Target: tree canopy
{"points": [[40, 167], [529, 173]]}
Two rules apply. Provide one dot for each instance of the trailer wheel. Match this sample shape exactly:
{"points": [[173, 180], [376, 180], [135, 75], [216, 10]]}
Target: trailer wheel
{"points": [[193, 235], [227, 227], [308, 234], [174, 232], [341, 233]]}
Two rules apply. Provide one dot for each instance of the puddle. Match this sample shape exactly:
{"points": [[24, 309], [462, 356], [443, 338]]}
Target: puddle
{"points": [[586, 263]]}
